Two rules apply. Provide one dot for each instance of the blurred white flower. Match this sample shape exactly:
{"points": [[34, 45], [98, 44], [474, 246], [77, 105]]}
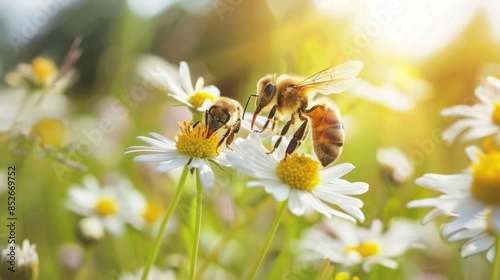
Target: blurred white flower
{"points": [[479, 120], [298, 179], [394, 164], [467, 194], [347, 244], [103, 203], [20, 110], [144, 215], [25, 261]]}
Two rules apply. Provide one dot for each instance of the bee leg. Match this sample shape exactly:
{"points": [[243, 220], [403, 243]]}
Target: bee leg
{"points": [[271, 116], [274, 124], [298, 138], [195, 124], [283, 132], [230, 137]]}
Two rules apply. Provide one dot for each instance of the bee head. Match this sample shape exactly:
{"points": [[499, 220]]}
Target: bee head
{"points": [[215, 118], [266, 91]]}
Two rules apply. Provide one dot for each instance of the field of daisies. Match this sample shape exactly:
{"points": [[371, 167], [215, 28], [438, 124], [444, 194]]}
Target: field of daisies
{"points": [[235, 139]]}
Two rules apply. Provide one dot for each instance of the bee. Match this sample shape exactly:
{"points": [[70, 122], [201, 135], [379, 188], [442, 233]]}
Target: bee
{"points": [[292, 98], [224, 113]]}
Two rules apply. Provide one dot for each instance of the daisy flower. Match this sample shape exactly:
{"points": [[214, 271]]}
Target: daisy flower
{"points": [[298, 179], [479, 235], [25, 261], [142, 214], [198, 98], [346, 244], [467, 194], [191, 148], [480, 120], [394, 164], [102, 203]]}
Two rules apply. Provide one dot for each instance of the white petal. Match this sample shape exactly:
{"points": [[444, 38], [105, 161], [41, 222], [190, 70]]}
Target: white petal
{"points": [[485, 95], [336, 171], [490, 255], [456, 183], [185, 77], [181, 98], [280, 191], [167, 166], [156, 158], [172, 84], [213, 90], [451, 133], [476, 246], [462, 111], [473, 152], [479, 132], [206, 175], [295, 204]]}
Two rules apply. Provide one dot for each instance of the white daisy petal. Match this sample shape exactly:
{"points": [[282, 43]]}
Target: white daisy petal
{"points": [[476, 246], [213, 90], [156, 158], [451, 133], [295, 204], [479, 132], [337, 171], [173, 85], [206, 175], [173, 164], [185, 77]]}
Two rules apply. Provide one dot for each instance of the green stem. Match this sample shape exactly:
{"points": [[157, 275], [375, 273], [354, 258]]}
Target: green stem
{"points": [[163, 226], [197, 226], [495, 274], [239, 224], [269, 238]]}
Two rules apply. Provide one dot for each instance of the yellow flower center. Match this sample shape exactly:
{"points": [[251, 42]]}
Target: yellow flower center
{"points": [[43, 69], [152, 212], [365, 249], [194, 142], [49, 133], [345, 276], [486, 178], [496, 113], [299, 171], [199, 97], [106, 207]]}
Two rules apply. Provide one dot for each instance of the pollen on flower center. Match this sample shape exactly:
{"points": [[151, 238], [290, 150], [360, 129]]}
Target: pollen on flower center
{"points": [[152, 212], [194, 143], [496, 113], [299, 171], [365, 249], [106, 207], [486, 178], [43, 69], [199, 97]]}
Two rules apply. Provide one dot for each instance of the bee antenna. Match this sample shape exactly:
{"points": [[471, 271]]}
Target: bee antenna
{"points": [[246, 105]]}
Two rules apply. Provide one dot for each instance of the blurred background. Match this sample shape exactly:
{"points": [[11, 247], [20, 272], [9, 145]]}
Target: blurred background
{"points": [[419, 57]]}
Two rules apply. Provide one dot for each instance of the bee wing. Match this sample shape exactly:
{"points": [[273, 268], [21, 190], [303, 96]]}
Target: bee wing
{"points": [[334, 79]]}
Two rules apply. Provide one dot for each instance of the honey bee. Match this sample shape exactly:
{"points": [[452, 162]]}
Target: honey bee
{"points": [[290, 97], [224, 113]]}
